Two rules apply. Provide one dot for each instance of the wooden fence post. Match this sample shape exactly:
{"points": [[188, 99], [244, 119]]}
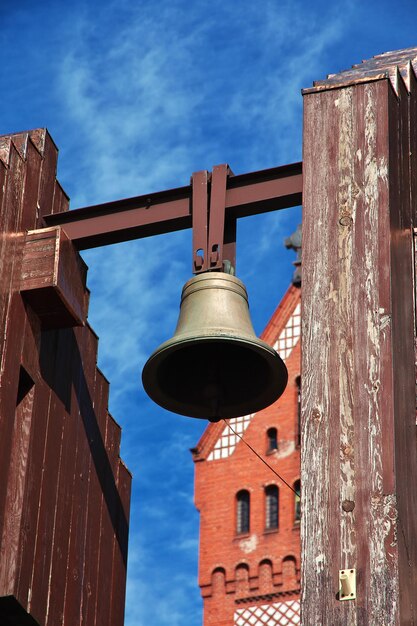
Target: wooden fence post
{"points": [[359, 461]]}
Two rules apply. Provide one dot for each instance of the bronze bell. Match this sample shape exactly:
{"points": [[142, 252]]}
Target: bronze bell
{"points": [[214, 366]]}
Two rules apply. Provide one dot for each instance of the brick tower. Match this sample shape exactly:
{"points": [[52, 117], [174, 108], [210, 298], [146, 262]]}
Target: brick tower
{"points": [[249, 562]]}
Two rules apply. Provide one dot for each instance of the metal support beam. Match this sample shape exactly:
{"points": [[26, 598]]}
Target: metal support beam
{"points": [[167, 211]]}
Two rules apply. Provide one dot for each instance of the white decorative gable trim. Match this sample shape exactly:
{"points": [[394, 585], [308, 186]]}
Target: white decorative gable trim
{"points": [[290, 335], [284, 345], [227, 441]]}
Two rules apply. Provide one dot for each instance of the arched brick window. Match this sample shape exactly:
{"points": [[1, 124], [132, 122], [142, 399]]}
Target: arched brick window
{"points": [[271, 507], [271, 440], [242, 580], [243, 511], [289, 572], [265, 576], [217, 581], [297, 502]]}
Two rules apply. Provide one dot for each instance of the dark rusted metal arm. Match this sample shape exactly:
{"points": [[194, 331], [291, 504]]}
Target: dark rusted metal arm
{"points": [[167, 211]]}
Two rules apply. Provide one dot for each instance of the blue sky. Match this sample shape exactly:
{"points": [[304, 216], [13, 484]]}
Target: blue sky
{"points": [[137, 96]]}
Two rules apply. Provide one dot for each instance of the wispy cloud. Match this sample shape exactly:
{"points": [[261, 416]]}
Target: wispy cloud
{"points": [[132, 102], [173, 90], [170, 91]]}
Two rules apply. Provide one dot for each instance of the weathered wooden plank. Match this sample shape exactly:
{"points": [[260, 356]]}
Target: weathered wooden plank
{"points": [[61, 200], [53, 278], [18, 460], [320, 427], [48, 173], [404, 407], [20, 141], [5, 145], [85, 350], [39, 266], [8, 395], [92, 589], [33, 489], [58, 476], [117, 609], [372, 341], [30, 197], [108, 520], [40, 585], [10, 217], [10, 345], [65, 367], [341, 344], [358, 368], [31, 342], [413, 140], [38, 137]]}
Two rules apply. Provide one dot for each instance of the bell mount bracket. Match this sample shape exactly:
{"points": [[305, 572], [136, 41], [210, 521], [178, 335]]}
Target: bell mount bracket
{"points": [[214, 237]]}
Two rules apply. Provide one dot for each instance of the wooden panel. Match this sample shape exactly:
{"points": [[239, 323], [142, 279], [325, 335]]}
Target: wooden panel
{"points": [[11, 536], [65, 367], [358, 399], [48, 173], [317, 308], [31, 342], [11, 346], [413, 141], [92, 589], [45, 532], [33, 487], [85, 349], [117, 610], [59, 449], [30, 197], [10, 381], [53, 279], [403, 360], [40, 259], [20, 141], [10, 216], [108, 522], [61, 200]]}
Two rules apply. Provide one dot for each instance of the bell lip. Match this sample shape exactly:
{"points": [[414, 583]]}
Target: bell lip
{"points": [[275, 391]]}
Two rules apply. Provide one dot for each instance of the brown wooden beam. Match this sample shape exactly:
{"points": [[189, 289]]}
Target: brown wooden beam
{"points": [[166, 211]]}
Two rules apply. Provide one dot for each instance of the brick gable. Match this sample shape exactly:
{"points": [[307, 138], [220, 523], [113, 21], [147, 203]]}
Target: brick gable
{"points": [[240, 574]]}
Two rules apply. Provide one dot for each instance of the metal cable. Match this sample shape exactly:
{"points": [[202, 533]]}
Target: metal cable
{"points": [[261, 458]]}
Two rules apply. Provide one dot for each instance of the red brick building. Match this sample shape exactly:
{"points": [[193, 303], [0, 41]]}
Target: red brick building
{"points": [[249, 562]]}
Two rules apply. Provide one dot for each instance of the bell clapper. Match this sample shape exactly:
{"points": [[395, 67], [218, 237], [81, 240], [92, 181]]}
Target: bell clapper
{"points": [[213, 394]]}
